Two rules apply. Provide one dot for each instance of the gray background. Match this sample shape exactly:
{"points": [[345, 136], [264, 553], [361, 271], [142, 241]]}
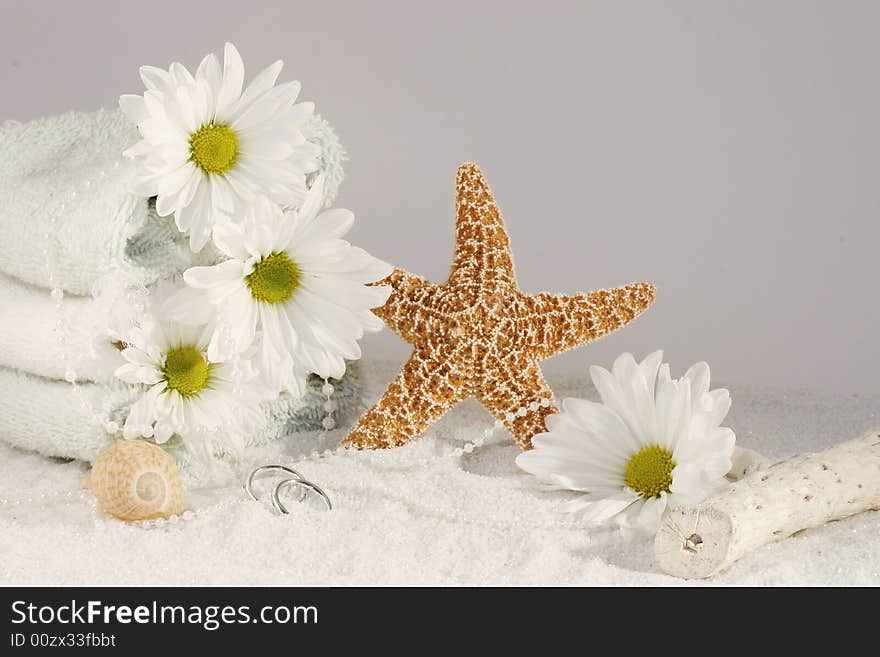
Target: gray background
{"points": [[728, 151]]}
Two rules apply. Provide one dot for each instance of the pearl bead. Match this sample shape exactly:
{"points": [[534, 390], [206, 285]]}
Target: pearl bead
{"points": [[329, 423], [509, 417], [57, 294], [330, 405], [522, 412], [533, 406], [70, 376], [327, 389]]}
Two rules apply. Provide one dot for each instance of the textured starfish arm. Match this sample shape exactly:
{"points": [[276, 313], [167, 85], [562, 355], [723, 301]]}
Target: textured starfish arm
{"points": [[517, 383], [408, 311], [429, 384], [482, 247], [558, 322]]}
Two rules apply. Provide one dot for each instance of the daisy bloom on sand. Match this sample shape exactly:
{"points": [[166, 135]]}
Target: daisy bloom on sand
{"points": [[208, 143], [653, 442], [294, 288]]}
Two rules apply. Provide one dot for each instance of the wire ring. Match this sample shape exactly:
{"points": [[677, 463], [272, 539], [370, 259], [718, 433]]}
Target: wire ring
{"points": [[249, 484], [302, 483]]}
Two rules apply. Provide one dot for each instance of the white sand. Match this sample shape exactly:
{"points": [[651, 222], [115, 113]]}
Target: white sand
{"points": [[415, 516]]}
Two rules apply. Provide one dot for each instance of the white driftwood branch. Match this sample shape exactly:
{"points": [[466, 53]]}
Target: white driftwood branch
{"points": [[769, 505]]}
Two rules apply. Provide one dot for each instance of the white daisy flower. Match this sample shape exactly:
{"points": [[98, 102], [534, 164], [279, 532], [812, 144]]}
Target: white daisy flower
{"points": [[187, 393], [207, 145], [653, 442], [293, 288]]}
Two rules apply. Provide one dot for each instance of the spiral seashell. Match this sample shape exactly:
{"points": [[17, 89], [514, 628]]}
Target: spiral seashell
{"points": [[136, 480]]}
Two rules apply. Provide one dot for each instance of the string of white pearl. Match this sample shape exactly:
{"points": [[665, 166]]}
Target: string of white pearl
{"points": [[447, 513], [62, 328], [52, 497], [455, 454], [85, 497], [330, 405], [469, 447], [497, 426]]}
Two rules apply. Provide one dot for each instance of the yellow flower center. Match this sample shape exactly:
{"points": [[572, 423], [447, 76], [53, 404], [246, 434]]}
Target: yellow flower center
{"points": [[186, 371], [274, 278], [649, 471], [214, 148]]}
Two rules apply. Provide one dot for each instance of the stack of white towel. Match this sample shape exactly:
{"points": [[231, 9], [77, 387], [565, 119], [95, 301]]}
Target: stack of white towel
{"points": [[69, 221]]}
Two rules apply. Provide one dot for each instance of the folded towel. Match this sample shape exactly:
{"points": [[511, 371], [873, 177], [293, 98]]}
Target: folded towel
{"points": [[65, 193], [51, 418], [39, 339], [68, 219], [54, 419]]}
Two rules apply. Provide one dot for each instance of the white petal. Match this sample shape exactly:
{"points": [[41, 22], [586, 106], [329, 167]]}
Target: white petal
{"points": [[686, 478], [651, 514], [624, 367], [266, 108], [196, 218], [129, 372], [603, 424], [329, 225], [678, 417], [178, 189], [155, 78], [721, 401], [575, 457], [209, 277], [650, 366], [698, 375], [238, 314], [180, 76], [229, 238], [552, 467], [209, 71], [141, 414], [262, 82], [222, 194], [313, 202], [233, 79], [612, 394], [603, 510]]}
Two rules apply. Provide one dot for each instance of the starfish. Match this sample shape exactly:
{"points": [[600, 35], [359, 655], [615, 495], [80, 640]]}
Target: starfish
{"points": [[477, 335]]}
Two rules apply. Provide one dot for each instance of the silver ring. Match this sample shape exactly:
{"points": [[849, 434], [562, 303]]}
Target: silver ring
{"points": [[302, 483], [249, 484]]}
